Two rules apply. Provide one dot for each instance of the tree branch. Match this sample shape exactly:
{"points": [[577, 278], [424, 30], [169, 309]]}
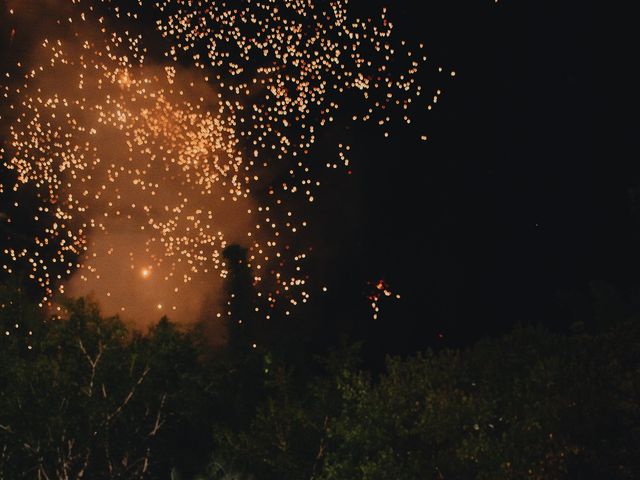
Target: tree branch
{"points": [[93, 362], [129, 396], [158, 423]]}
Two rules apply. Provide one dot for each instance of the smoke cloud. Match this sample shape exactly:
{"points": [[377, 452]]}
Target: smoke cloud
{"points": [[140, 164]]}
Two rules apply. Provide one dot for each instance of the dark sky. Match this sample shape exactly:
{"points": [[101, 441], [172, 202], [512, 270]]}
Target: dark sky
{"points": [[519, 209]]}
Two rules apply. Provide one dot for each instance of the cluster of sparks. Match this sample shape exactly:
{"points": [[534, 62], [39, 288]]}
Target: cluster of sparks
{"points": [[380, 291], [206, 143]]}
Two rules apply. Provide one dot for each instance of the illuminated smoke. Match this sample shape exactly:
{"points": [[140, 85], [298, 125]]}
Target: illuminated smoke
{"points": [[144, 170]]}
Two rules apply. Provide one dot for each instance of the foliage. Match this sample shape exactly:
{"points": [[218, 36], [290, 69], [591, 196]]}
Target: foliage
{"points": [[529, 405], [91, 399], [85, 397]]}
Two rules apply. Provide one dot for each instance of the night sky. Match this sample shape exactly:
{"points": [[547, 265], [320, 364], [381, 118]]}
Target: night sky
{"points": [[522, 201], [522, 206]]}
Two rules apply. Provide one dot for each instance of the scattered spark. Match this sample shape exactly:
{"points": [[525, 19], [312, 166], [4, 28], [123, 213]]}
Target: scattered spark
{"points": [[380, 291], [173, 154]]}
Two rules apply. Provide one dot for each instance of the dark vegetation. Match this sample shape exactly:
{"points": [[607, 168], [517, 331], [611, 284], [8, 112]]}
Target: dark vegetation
{"points": [[84, 396]]}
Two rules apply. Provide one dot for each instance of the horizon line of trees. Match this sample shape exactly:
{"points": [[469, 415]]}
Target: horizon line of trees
{"points": [[86, 397]]}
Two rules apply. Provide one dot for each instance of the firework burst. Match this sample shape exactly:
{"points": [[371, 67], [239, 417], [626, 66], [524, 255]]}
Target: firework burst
{"points": [[149, 152]]}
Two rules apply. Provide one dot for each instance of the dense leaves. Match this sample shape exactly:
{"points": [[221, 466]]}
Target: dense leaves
{"points": [[85, 397], [529, 405], [91, 399]]}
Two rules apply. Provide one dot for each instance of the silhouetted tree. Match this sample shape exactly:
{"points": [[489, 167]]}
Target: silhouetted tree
{"points": [[240, 299]]}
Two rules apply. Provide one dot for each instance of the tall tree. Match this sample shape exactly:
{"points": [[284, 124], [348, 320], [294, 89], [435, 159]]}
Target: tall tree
{"points": [[240, 299]]}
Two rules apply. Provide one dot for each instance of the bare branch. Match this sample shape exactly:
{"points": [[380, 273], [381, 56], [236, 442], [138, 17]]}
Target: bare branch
{"points": [[85, 464], [93, 362], [321, 448], [145, 466], [158, 423], [129, 396]]}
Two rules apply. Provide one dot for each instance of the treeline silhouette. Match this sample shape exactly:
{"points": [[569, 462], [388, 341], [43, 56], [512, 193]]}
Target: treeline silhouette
{"points": [[84, 396]]}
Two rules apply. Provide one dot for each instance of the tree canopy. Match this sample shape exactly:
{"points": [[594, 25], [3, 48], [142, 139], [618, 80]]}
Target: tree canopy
{"points": [[84, 396]]}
